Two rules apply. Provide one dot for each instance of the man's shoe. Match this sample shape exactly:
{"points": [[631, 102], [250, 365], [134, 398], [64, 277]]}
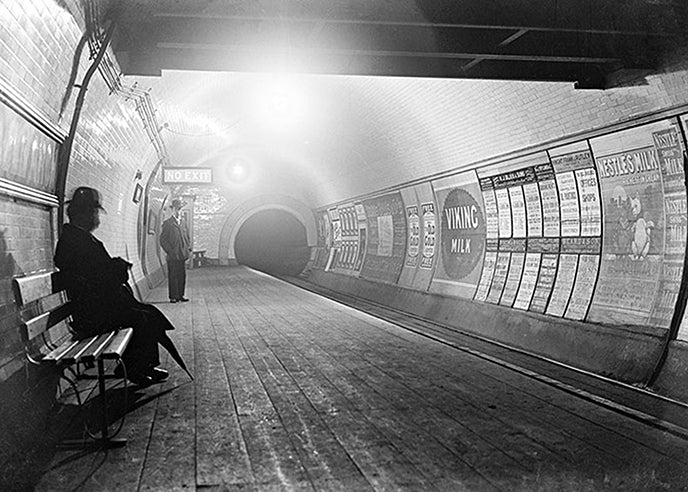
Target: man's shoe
{"points": [[183, 299], [157, 374], [141, 380], [174, 300]]}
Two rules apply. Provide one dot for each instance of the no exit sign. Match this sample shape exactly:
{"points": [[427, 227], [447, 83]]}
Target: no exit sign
{"points": [[187, 175]]}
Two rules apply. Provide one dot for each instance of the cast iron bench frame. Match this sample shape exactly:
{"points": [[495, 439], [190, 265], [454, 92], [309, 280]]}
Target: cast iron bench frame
{"points": [[45, 312]]}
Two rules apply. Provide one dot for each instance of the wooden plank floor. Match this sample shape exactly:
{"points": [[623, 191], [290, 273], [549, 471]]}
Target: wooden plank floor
{"points": [[296, 392]]}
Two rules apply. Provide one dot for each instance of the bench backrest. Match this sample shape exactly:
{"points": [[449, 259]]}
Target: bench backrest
{"points": [[44, 309]]}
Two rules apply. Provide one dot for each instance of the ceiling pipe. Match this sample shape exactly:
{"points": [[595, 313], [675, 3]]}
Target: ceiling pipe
{"points": [[66, 147]]}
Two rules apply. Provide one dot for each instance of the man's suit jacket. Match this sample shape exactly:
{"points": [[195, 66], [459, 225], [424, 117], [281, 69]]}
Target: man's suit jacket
{"points": [[95, 281], [174, 240]]}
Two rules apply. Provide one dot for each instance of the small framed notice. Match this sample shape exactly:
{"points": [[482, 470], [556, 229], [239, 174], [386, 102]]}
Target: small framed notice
{"points": [[138, 191]]}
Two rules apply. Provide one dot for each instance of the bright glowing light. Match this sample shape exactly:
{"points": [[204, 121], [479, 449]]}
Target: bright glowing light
{"points": [[238, 171]]}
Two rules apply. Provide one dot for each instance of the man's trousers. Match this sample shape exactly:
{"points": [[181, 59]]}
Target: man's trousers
{"points": [[176, 272]]}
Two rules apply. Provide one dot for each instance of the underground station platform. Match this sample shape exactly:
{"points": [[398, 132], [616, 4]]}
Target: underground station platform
{"points": [[296, 391]]}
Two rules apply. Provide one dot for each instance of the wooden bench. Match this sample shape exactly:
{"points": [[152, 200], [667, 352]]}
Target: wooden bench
{"points": [[199, 259], [45, 312]]}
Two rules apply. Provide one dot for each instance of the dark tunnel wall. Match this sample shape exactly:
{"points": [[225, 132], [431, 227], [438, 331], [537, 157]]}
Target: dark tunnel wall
{"points": [[273, 241]]}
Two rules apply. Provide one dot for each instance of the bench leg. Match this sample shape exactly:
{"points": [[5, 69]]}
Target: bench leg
{"points": [[105, 439]]}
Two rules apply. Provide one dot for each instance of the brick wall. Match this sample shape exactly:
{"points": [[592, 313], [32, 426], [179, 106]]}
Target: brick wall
{"points": [[40, 63], [37, 41]]}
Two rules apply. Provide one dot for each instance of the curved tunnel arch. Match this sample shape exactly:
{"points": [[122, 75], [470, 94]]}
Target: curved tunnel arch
{"points": [[235, 220]]}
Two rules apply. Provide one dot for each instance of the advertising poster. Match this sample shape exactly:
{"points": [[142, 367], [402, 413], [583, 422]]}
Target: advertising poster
{"points": [[413, 238], [360, 253], [534, 209], [521, 200], [461, 224], [323, 239], [634, 227], [504, 211], [346, 257], [516, 180], [589, 193], [362, 234], [331, 259], [513, 279], [581, 227], [568, 202], [563, 286], [531, 270], [545, 283], [336, 227], [323, 228], [583, 287], [385, 237], [321, 257], [586, 276], [683, 327], [347, 215], [360, 212], [518, 211], [413, 241], [499, 278], [421, 241], [492, 238], [549, 200], [486, 277], [665, 301], [429, 235], [491, 213], [670, 154], [343, 256], [575, 170]]}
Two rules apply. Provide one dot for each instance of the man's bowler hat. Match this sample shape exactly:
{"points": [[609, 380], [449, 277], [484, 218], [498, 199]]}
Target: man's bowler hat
{"points": [[177, 204], [86, 198]]}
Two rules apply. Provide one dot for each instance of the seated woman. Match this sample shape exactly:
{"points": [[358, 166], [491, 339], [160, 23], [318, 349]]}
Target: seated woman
{"points": [[101, 297]]}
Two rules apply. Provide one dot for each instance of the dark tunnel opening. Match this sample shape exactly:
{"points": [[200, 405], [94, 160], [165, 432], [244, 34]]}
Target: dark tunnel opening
{"points": [[273, 241]]}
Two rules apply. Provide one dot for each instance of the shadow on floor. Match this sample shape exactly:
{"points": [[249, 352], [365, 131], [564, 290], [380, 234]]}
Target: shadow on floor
{"points": [[71, 427]]}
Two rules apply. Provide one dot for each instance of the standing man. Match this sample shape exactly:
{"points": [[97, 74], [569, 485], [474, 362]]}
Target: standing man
{"points": [[174, 239]]}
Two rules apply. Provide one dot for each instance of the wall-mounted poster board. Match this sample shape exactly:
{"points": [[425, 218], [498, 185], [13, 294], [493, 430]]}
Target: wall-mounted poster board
{"points": [[581, 226], [521, 209], [335, 239], [421, 240], [386, 238], [324, 239], [350, 240], [462, 229], [593, 230], [643, 245]]}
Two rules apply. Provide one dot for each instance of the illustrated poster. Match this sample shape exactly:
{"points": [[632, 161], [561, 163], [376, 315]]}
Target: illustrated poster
{"points": [[462, 229], [634, 227]]}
